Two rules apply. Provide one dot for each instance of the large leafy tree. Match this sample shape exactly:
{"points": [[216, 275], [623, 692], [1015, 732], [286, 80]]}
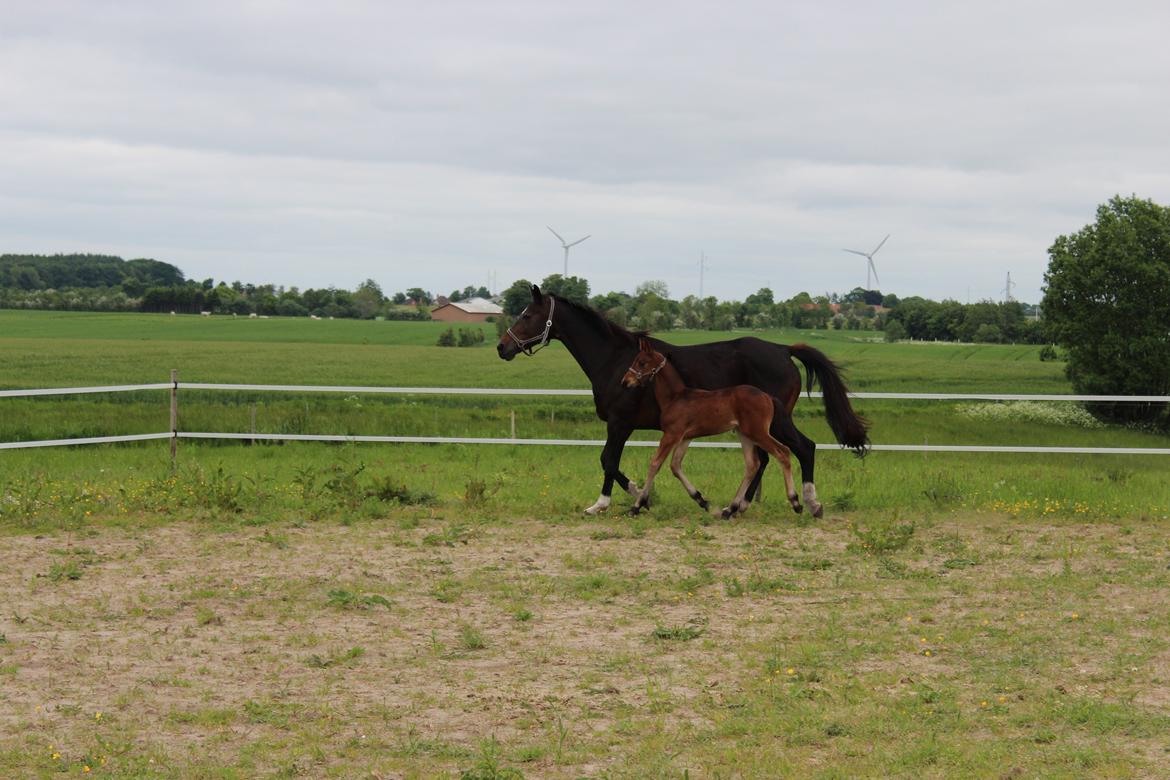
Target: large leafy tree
{"points": [[1107, 302], [572, 287]]}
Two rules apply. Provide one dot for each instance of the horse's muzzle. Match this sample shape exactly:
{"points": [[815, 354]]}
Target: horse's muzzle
{"points": [[506, 351]]}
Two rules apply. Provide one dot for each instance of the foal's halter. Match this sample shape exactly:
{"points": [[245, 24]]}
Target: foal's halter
{"points": [[645, 376], [523, 344]]}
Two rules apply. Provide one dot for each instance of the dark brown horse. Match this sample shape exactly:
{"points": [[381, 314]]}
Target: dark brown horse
{"points": [[688, 413], [604, 351]]}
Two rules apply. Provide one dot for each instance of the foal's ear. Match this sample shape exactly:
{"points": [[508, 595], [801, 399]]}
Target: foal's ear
{"points": [[536, 297]]}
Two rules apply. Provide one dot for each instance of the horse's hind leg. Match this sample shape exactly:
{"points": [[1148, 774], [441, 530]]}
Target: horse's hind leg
{"points": [[786, 432], [750, 467], [680, 452]]}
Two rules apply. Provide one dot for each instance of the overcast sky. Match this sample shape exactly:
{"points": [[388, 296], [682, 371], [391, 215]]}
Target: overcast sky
{"points": [[318, 144]]}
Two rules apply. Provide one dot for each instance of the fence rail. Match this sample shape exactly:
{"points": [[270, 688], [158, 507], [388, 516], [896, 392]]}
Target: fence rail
{"points": [[174, 435], [359, 389]]}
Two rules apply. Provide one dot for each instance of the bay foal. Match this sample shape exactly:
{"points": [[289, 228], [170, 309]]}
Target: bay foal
{"points": [[688, 413]]}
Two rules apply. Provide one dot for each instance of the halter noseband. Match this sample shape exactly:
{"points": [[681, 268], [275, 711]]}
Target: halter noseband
{"points": [[650, 374], [523, 344]]}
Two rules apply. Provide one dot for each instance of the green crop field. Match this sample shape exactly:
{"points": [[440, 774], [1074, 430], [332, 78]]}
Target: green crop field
{"points": [[446, 611]]}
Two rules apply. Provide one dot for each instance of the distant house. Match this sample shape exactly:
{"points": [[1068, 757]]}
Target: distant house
{"points": [[471, 310]]}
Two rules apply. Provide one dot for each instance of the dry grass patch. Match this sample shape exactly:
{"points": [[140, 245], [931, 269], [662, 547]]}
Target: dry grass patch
{"points": [[974, 645]]}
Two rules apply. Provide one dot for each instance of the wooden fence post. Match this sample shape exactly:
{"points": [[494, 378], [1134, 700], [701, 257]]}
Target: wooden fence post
{"points": [[174, 419]]}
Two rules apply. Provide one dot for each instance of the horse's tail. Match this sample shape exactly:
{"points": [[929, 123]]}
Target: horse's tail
{"points": [[850, 428]]}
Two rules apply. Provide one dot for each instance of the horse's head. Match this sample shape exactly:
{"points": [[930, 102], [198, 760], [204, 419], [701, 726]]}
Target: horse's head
{"points": [[647, 363], [532, 329]]}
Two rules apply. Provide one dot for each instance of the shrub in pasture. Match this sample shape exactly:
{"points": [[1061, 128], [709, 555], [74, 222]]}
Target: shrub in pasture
{"points": [[1053, 413], [446, 338], [470, 337]]}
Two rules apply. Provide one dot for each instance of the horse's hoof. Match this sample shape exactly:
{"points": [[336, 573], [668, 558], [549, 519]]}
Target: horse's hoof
{"points": [[727, 513], [818, 511], [704, 504]]}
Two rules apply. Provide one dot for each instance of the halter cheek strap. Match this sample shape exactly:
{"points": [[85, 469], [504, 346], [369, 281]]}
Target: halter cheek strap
{"points": [[524, 344], [640, 375]]}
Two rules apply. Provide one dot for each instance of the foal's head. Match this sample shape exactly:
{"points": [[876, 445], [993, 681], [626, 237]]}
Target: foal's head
{"points": [[645, 365]]}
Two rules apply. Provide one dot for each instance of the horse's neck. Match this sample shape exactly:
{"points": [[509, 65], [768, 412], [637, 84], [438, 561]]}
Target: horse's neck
{"points": [[592, 349], [668, 385]]}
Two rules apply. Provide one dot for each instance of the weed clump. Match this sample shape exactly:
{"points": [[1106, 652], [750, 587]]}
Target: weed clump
{"points": [[880, 538]]}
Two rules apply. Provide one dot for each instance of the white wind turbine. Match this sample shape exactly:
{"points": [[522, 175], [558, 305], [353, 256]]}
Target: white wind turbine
{"points": [[869, 266], [566, 246]]}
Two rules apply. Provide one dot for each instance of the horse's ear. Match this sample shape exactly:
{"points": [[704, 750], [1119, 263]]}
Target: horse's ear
{"points": [[536, 294], [643, 344]]}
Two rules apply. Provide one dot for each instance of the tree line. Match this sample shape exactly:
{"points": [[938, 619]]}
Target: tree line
{"points": [[86, 282]]}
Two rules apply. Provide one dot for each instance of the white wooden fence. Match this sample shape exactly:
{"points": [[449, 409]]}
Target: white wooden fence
{"points": [[175, 434]]}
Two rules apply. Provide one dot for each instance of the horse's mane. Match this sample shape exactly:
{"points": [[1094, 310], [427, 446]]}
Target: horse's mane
{"points": [[600, 322]]}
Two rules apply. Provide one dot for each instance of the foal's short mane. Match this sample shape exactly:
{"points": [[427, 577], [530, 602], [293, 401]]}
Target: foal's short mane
{"points": [[601, 323]]}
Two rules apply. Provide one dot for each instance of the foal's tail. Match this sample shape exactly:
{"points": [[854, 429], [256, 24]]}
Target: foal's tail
{"points": [[850, 428]]}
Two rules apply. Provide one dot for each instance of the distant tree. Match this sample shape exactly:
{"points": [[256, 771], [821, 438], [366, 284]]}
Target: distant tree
{"points": [[574, 288], [399, 298], [988, 333], [655, 286], [895, 331], [609, 301], [368, 299], [763, 296], [419, 295], [889, 300], [1107, 303], [854, 295], [517, 297]]}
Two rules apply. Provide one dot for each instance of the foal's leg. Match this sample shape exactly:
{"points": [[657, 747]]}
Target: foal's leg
{"points": [[680, 452], [750, 467], [664, 447], [757, 429], [784, 456]]}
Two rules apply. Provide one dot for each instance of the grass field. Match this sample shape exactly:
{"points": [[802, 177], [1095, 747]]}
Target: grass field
{"points": [[444, 610]]}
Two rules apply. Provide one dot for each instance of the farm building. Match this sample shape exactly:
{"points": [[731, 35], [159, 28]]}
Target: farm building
{"points": [[471, 310]]}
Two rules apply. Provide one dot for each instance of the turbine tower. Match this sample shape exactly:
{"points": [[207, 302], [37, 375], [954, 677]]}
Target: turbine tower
{"points": [[702, 268], [1007, 289], [869, 266], [565, 274]]}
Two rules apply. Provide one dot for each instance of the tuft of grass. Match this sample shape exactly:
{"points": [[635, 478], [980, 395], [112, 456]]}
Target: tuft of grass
{"points": [[205, 616], [677, 633], [490, 765], [69, 570], [316, 661], [880, 537], [448, 537], [471, 638], [347, 599]]}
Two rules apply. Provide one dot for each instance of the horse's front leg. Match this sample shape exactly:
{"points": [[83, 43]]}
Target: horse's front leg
{"points": [[611, 457]]}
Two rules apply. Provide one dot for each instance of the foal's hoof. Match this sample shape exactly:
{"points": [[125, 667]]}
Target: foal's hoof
{"points": [[818, 510], [727, 513]]}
